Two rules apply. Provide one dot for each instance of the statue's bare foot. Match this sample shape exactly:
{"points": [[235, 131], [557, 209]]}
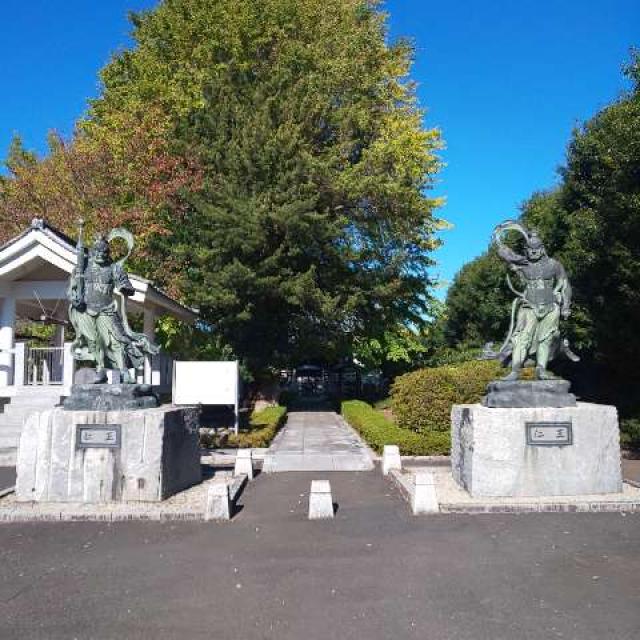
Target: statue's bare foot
{"points": [[543, 374], [514, 375], [101, 376]]}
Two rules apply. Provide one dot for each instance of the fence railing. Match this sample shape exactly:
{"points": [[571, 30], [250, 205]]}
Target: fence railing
{"points": [[43, 365]]}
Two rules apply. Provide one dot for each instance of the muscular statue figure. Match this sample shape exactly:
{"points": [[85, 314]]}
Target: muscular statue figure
{"points": [[535, 321], [102, 330]]}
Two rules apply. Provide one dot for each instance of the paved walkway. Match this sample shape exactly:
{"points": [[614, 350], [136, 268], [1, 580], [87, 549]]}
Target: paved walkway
{"points": [[317, 441]]}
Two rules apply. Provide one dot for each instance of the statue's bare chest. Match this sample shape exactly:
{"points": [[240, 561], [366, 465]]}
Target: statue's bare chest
{"points": [[99, 281], [539, 271]]}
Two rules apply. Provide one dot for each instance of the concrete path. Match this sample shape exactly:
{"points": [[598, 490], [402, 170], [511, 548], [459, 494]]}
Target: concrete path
{"points": [[317, 441]]}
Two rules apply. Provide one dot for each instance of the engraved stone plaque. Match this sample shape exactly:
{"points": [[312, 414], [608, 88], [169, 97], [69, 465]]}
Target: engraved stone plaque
{"points": [[104, 436], [549, 434]]}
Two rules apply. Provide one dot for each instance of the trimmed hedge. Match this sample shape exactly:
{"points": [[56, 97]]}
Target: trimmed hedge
{"points": [[378, 431], [422, 400], [263, 426]]}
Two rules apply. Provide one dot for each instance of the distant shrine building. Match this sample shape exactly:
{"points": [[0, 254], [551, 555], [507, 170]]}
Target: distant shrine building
{"points": [[34, 271]]}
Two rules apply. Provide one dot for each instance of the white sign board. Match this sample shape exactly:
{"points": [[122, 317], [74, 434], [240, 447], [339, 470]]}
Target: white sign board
{"points": [[205, 383]]}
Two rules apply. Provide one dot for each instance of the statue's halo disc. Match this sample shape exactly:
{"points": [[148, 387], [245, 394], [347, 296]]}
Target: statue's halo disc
{"points": [[509, 225], [125, 235]]}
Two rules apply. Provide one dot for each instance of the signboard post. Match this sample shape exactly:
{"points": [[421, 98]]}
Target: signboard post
{"points": [[207, 383]]}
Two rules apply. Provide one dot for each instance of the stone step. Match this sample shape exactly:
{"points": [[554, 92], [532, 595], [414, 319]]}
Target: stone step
{"points": [[36, 398], [11, 428], [21, 412], [8, 456]]}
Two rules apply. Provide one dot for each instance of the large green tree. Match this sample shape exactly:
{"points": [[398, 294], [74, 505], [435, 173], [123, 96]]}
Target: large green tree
{"points": [[313, 228]]}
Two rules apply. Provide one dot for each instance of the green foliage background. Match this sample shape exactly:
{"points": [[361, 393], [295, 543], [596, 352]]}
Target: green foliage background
{"points": [[591, 223], [312, 230], [271, 159]]}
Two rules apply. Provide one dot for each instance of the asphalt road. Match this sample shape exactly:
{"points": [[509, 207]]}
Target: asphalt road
{"points": [[374, 572], [7, 478]]}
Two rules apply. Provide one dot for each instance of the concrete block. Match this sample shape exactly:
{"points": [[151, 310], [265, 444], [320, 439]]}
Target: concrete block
{"points": [[320, 500], [244, 463], [157, 455], [391, 458], [218, 501], [492, 455], [424, 498]]}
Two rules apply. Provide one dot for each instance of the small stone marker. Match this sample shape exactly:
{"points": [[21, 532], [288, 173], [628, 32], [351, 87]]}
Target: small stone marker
{"points": [[424, 498], [218, 503], [244, 463], [391, 458], [320, 501]]}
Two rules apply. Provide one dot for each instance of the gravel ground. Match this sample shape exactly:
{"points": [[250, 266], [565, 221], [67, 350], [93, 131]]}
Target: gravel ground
{"points": [[186, 505], [453, 498]]}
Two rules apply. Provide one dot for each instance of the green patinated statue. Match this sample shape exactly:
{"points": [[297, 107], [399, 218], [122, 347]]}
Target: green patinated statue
{"points": [[98, 313], [535, 318]]}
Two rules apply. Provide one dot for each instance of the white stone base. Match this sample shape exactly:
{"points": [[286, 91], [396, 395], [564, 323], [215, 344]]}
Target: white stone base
{"points": [[218, 502], [244, 463], [158, 456], [390, 458], [490, 456], [424, 498], [320, 501]]}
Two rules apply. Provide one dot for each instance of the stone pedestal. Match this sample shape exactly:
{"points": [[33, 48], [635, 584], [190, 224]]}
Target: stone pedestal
{"points": [[529, 393], [110, 397], [108, 456], [540, 451]]}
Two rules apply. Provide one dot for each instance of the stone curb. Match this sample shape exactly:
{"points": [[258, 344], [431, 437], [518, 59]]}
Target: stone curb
{"points": [[28, 513], [548, 507], [373, 456], [404, 483], [7, 491]]}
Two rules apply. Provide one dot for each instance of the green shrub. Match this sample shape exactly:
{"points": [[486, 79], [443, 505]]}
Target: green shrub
{"points": [[422, 400], [263, 426], [378, 431], [630, 433]]}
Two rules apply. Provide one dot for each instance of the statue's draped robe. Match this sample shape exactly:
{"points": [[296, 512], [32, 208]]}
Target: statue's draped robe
{"points": [[546, 292], [101, 334]]}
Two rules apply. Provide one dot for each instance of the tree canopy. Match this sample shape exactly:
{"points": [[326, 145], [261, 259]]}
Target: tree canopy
{"points": [[273, 159], [591, 223]]}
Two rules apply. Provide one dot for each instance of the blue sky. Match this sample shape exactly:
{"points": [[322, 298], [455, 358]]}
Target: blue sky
{"points": [[505, 80]]}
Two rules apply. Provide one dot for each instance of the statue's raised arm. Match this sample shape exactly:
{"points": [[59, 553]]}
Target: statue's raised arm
{"points": [[507, 254]]}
